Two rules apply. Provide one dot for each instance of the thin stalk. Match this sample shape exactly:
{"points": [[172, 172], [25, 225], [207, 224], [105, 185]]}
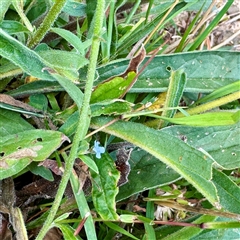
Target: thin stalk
{"points": [[47, 23], [160, 23], [210, 105], [110, 30], [83, 125], [211, 26], [134, 9]]}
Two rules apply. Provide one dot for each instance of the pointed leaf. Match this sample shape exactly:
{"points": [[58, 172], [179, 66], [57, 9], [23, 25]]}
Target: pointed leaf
{"points": [[205, 70], [18, 150], [190, 163], [113, 88], [145, 166], [228, 192], [28, 60], [104, 187], [222, 143]]}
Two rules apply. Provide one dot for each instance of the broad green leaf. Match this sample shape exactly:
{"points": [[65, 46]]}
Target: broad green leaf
{"points": [[13, 27], [11, 123], [172, 151], [222, 143], [145, 166], [228, 192], [104, 187], [19, 150], [63, 60], [39, 101], [65, 63], [214, 69], [206, 71], [113, 88], [28, 60]]}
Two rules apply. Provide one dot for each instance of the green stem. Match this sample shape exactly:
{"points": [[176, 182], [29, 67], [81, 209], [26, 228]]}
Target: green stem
{"points": [[47, 23], [82, 123], [210, 105]]}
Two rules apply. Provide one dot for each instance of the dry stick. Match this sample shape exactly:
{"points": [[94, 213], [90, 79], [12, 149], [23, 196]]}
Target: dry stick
{"points": [[226, 41]]}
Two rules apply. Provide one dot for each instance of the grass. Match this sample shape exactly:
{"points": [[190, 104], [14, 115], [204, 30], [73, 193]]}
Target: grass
{"points": [[115, 115]]}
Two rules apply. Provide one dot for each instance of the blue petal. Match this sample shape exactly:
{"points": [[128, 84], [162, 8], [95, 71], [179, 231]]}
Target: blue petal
{"points": [[97, 149]]}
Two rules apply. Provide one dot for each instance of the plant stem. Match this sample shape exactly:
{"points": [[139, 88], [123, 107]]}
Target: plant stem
{"points": [[83, 124], [210, 105], [47, 23]]}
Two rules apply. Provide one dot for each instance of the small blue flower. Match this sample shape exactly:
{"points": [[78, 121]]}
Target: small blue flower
{"points": [[97, 149]]}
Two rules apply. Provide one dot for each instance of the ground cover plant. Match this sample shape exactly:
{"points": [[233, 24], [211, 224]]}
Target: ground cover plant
{"points": [[119, 119]]}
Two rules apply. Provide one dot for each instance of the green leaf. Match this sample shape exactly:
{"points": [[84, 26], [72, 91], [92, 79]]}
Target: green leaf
{"points": [[220, 92], [67, 231], [11, 123], [83, 207], [222, 143], [4, 7], [120, 230], [228, 192], [104, 187], [75, 8], [109, 107], [205, 119], [145, 166], [35, 88], [206, 71], [63, 60], [172, 151], [115, 106], [41, 171], [175, 90], [19, 150], [211, 26], [113, 88], [221, 234], [89, 162], [187, 232], [74, 92], [28, 60], [74, 40], [13, 27]]}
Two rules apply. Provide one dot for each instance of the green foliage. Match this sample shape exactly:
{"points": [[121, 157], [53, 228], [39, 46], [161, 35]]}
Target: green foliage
{"points": [[73, 74]]}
